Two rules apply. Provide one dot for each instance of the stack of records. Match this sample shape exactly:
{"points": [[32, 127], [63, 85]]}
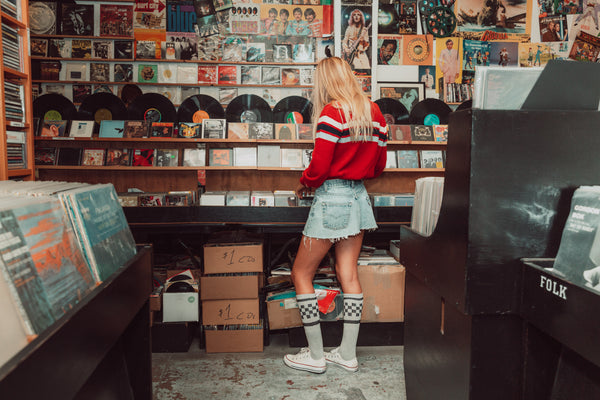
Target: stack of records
{"points": [[11, 46], [428, 201], [13, 102]]}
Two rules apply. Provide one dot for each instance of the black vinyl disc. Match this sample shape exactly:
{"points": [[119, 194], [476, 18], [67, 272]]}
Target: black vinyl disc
{"points": [[54, 107], [393, 111], [249, 108], [152, 107], [465, 105], [198, 107], [430, 112], [293, 109], [102, 106]]}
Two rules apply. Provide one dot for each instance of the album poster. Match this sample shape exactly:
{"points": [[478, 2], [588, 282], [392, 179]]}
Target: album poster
{"points": [[102, 49], [356, 37], [181, 16], [81, 48], [99, 72], [150, 14], [77, 19], [475, 53], [123, 49], [417, 50], [123, 72], [407, 17], [116, 20], [42, 17], [244, 20], [389, 50], [496, 16], [209, 48], [188, 44]]}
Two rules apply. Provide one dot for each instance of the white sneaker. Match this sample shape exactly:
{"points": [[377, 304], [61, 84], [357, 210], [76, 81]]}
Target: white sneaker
{"points": [[304, 361], [334, 357]]}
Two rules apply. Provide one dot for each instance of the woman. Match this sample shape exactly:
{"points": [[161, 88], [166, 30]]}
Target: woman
{"points": [[350, 145]]}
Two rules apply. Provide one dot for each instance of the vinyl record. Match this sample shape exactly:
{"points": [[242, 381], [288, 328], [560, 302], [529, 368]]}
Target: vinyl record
{"points": [[393, 111], [54, 107], [293, 109], [335, 309], [198, 107], [465, 105], [248, 108], [102, 106], [152, 107], [430, 112]]}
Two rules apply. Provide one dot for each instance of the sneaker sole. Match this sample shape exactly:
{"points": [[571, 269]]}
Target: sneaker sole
{"points": [[304, 367], [347, 368]]}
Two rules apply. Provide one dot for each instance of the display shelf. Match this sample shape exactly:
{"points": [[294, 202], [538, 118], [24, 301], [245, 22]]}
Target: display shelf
{"points": [[102, 345], [172, 140], [81, 37], [169, 84], [560, 308], [21, 78]]}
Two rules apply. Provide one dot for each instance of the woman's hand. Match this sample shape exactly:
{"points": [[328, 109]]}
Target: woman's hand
{"points": [[302, 191]]}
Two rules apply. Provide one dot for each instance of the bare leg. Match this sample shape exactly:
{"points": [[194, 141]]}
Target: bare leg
{"points": [[346, 255], [347, 252], [310, 253]]}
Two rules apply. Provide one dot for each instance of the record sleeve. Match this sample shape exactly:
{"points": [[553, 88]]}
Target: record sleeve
{"points": [[430, 112], [293, 109], [54, 107], [42, 18], [152, 107], [199, 107], [248, 108], [393, 111]]}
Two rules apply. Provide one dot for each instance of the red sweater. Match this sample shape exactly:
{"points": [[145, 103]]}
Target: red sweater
{"points": [[336, 156]]}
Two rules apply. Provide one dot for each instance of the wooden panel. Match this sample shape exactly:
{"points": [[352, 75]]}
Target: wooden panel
{"points": [[149, 181], [252, 180]]}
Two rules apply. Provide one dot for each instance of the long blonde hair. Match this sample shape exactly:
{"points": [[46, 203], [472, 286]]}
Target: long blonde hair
{"points": [[335, 82]]}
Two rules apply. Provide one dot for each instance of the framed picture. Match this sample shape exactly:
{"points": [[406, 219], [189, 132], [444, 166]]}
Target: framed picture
{"points": [[407, 93]]}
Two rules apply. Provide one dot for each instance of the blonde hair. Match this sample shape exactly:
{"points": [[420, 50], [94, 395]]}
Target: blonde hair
{"points": [[335, 82]]}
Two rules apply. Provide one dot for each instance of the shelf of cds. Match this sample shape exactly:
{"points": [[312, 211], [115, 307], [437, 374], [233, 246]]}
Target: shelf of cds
{"points": [[16, 131]]}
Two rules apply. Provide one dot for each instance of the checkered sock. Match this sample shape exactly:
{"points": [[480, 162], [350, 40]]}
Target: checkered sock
{"points": [[309, 313], [353, 304]]}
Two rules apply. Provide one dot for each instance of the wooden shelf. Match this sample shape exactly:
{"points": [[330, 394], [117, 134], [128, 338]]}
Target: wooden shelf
{"points": [[14, 173], [117, 60], [171, 140], [13, 73], [169, 84], [12, 21], [406, 142], [83, 37]]}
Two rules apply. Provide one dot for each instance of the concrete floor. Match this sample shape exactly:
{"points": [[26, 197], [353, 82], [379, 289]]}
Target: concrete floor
{"points": [[263, 376]]}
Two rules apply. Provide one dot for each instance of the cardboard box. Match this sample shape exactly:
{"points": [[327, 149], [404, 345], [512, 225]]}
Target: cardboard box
{"points": [[173, 337], [229, 287], [178, 307], [283, 313], [230, 312], [233, 257], [383, 291], [156, 299], [234, 341]]}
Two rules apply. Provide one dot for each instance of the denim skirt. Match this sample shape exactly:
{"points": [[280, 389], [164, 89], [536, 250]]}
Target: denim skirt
{"points": [[341, 208]]}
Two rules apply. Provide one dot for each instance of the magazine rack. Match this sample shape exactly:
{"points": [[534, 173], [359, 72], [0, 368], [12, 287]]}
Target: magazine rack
{"points": [[509, 179], [100, 349]]}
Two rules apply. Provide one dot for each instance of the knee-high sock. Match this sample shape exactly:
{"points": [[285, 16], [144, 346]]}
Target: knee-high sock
{"points": [[309, 312], [353, 304]]}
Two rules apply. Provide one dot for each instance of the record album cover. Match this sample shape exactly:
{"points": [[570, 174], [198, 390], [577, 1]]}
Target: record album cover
{"points": [[143, 158], [118, 157], [77, 19], [93, 157]]}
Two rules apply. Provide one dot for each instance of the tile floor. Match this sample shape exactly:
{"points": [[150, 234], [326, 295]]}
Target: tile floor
{"points": [[263, 376]]}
